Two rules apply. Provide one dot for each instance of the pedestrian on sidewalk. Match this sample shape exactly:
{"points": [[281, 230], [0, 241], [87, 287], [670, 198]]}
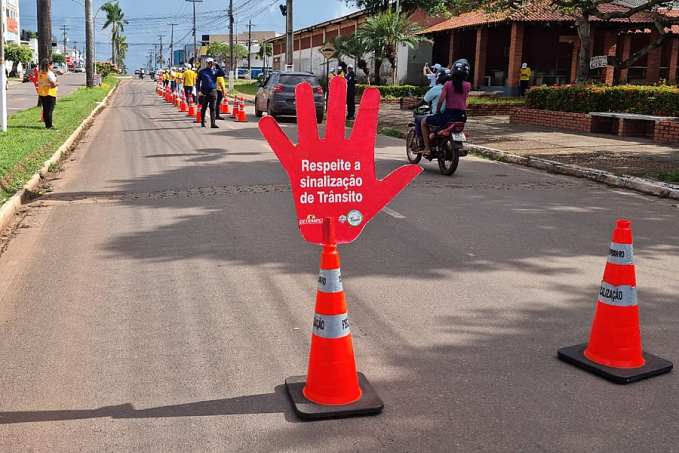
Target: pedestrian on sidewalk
{"points": [[47, 91], [206, 86], [352, 78]]}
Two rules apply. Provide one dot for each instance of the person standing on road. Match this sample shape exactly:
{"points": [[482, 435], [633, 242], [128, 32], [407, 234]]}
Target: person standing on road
{"points": [[179, 77], [207, 90], [47, 91], [352, 78], [221, 89], [189, 83], [331, 74]]}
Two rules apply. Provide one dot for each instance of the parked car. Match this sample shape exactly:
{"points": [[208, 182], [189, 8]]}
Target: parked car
{"points": [[136, 71], [276, 96], [58, 70], [79, 69]]}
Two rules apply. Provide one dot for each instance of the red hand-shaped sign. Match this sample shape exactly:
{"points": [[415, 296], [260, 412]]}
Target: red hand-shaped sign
{"points": [[335, 177]]}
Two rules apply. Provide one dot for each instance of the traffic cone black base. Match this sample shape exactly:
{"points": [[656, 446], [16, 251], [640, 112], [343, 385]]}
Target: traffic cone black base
{"points": [[654, 366], [368, 404]]}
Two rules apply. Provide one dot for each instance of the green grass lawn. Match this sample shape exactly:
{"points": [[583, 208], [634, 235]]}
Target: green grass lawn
{"points": [[242, 86], [26, 145]]}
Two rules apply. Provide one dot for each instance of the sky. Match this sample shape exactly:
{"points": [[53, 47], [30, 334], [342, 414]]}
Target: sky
{"points": [[149, 19]]}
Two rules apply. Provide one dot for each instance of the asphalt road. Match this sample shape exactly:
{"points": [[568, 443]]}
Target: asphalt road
{"points": [[159, 297], [22, 96]]}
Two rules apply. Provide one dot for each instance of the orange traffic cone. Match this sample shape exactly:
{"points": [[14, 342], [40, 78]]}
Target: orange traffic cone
{"points": [[199, 115], [183, 107], [241, 112], [332, 387], [192, 108], [225, 106], [614, 348], [234, 114]]}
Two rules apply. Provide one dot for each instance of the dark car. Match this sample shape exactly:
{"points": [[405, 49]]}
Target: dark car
{"points": [[276, 96]]}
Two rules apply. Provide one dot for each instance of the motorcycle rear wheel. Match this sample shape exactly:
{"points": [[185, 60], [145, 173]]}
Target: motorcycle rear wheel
{"points": [[449, 159], [411, 148]]}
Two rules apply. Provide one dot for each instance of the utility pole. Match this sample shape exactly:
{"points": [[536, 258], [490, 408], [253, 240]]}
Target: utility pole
{"points": [[65, 28], [89, 44], [3, 77], [195, 43], [249, 44], [155, 55], [230, 44], [44, 29], [288, 35], [161, 51], [172, 43]]}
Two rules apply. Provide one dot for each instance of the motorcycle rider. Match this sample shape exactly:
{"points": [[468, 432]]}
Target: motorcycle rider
{"points": [[432, 98], [454, 93]]}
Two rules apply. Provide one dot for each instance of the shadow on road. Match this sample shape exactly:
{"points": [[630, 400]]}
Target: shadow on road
{"points": [[269, 403]]}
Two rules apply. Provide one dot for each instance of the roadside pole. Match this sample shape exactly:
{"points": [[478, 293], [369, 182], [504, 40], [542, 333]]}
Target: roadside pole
{"points": [[328, 51], [3, 77]]}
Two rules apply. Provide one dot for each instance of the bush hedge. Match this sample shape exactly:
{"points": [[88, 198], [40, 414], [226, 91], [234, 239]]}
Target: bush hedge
{"points": [[395, 91], [661, 100]]}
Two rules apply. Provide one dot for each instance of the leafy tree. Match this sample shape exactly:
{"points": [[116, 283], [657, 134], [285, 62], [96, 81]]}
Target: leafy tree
{"points": [[382, 33], [584, 10], [17, 54], [123, 46], [59, 58], [115, 18], [431, 7], [222, 51], [354, 47]]}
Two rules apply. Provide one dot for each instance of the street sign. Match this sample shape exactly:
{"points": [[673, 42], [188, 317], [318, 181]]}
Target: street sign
{"points": [[598, 62], [333, 177], [328, 50]]}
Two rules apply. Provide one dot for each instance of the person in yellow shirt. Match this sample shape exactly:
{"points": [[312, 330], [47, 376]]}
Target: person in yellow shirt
{"points": [[173, 81], [179, 78], [221, 89], [47, 91], [189, 83], [525, 79], [166, 79]]}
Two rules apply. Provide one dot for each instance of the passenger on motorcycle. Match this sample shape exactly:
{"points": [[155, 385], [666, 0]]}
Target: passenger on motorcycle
{"points": [[454, 93], [432, 98]]}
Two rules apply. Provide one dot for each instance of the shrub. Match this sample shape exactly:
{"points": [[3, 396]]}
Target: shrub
{"points": [[395, 91], [105, 68], [659, 100]]}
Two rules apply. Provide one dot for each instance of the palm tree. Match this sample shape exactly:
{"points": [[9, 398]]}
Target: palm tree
{"points": [[354, 47], [123, 46], [265, 50], [382, 33], [115, 18]]}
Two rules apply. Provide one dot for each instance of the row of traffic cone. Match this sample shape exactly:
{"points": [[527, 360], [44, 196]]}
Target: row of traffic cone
{"points": [[178, 99]]}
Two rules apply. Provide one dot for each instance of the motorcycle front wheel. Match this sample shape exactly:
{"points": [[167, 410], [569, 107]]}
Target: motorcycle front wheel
{"points": [[411, 148], [450, 158]]}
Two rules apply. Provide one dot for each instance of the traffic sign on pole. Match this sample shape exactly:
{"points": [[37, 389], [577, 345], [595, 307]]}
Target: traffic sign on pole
{"points": [[328, 50]]}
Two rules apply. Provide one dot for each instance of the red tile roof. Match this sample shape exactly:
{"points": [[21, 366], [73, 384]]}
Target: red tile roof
{"points": [[533, 12]]}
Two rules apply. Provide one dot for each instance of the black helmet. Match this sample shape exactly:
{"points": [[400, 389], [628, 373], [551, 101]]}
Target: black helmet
{"points": [[443, 75], [461, 66]]}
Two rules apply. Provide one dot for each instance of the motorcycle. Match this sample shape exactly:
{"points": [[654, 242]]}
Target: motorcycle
{"points": [[141, 76], [446, 144]]}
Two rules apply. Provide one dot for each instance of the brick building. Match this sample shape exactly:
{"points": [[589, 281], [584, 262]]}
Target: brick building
{"points": [[308, 41], [497, 44]]}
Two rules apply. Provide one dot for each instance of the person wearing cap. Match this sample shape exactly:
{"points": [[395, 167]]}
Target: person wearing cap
{"points": [[189, 83], [206, 86], [430, 73], [525, 79], [351, 92], [331, 74]]}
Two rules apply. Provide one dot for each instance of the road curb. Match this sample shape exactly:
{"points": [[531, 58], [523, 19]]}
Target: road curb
{"points": [[12, 205], [646, 186]]}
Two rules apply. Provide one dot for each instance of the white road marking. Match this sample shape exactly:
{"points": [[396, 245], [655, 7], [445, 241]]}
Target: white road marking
{"points": [[393, 213]]}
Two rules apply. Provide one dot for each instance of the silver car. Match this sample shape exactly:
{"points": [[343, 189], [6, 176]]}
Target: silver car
{"points": [[276, 96]]}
